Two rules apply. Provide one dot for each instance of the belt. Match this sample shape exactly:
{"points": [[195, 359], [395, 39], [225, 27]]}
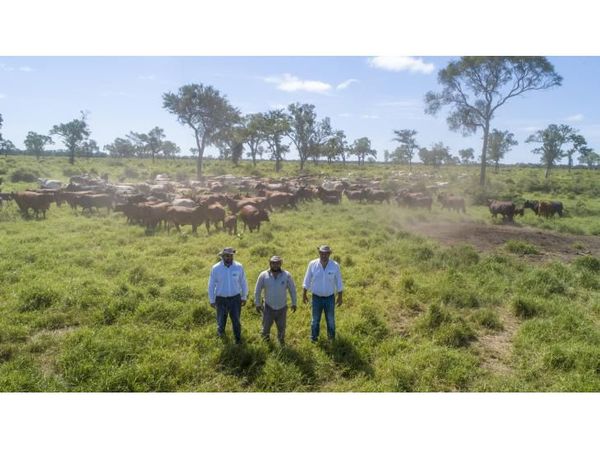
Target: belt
{"points": [[325, 296], [227, 298]]}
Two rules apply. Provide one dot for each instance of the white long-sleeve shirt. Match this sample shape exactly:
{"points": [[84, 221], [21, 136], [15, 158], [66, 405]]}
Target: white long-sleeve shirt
{"points": [[323, 281], [227, 281]]}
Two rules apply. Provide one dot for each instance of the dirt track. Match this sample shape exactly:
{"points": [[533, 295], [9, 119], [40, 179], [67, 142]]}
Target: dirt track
{"points": [[550, 244]]}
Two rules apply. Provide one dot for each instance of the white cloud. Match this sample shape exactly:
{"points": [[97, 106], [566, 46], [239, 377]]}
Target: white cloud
{"points": [[345, 84], [401, 63], [290, 83], [7, 68], [345, 115], [147, 77], [369, 116], [575, 118]]}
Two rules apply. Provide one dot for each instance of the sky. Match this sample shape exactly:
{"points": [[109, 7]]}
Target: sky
{"points": [[362, 95]]}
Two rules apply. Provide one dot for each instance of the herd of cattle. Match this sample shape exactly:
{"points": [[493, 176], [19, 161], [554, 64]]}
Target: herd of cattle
{"points": [[222, 201]]}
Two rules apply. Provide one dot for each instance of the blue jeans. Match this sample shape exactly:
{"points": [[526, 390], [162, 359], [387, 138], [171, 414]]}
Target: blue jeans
{"points": [[320, 304], [232, 307]]}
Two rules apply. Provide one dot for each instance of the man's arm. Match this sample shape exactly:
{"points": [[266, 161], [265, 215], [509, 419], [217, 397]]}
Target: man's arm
{"points": [[292, 290], [339, 286], [257, 292], [212, 286], [244, 286], [306, 283]]}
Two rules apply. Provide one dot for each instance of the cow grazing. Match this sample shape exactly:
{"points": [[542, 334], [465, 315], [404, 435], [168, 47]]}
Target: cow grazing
{"points": [[283, 199], [377, 195], [414, 200], [520, 211], [358, 195], [504, 208], [89, 201], [252, 217], [329, 196], [452, 202], [230, 224]]}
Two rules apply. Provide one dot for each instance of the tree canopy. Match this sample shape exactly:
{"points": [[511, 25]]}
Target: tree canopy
{"points": [[475, 87], [500, 143], [73, 134], [552, 139], [35, 143]]}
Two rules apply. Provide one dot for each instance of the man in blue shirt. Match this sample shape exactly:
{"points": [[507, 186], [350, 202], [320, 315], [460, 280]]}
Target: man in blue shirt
{"points": [[324, 279], [227, 292]]}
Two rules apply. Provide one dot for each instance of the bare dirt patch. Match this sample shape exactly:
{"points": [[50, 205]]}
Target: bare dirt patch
{"points": [[484, 237]]}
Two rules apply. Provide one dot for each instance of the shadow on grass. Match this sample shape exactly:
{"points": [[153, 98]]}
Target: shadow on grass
{"points": [[305, 364], [241, 360], [345, 354]]}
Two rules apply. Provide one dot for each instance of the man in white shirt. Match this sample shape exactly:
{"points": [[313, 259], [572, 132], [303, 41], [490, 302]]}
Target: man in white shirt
{"points": [[227, 292], [324, 279], [276, 283]]}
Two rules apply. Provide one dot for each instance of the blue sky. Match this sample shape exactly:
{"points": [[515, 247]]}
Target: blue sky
{"points": [[364, 96]]}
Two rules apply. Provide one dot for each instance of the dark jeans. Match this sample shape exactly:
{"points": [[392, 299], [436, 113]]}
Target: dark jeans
{"points": [[232, 307], [320, 304], [278, 316]]}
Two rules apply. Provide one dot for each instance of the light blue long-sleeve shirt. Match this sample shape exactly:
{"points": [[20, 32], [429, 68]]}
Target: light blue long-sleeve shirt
{"points": [[227, 281]]}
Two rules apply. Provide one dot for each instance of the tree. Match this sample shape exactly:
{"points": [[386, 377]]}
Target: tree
{"points": [[73, 134], [231, 143], [362, 148], [7, 147], [552, 139], [306, 133], [254, 134], [335, 147], [466, 155], [590, 158], [408, 144], [150, 143], [205, 111], [89, 148], [120, 148], [499, 145], [476, 86], [276, 127], [579, 146], [401, 155], [35, 143], [170, 149]]}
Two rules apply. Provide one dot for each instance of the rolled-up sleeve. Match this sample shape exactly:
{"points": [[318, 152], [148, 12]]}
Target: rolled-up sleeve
{"points": [[338, 278]]}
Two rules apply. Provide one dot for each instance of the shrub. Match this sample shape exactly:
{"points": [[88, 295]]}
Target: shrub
{"points": [[488, 319], [521, 248], [526, 308], [37, 298], [26, 175], [587, 262], [461, 298], [455, 334]]}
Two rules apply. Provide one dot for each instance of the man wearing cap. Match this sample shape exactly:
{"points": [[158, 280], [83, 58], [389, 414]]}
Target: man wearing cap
{"points": [[227, 292], [275, 282], [324, 279]]}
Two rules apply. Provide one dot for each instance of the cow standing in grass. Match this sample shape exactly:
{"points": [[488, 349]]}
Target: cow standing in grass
{"points": [[505, 208]]}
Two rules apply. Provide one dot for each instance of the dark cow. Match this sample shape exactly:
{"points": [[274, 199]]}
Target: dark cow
{"points": [[180, 215], [452, 202], [36, 201], [377, 195], [359, 195], [252, 217], [414, 200], [215, 213], [549, 208], [329, 196], [504, 208], [230, 224], [89, 201]]}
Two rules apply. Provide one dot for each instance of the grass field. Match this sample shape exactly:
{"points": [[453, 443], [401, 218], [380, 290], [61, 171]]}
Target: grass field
{"points": [[88, 303]]}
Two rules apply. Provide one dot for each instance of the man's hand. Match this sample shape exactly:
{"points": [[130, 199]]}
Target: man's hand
{"points": [[243, 303], [294, 308], [213, 306], [339, 300], [304, 297], [259, 309]]}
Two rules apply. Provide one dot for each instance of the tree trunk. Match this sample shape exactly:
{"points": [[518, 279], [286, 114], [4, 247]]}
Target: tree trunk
{"points": [[497, 166], [547, 171], [200, 146], [486, 132], [72, 156], [570, 163]]}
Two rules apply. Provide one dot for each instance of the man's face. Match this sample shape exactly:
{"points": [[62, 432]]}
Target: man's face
{"points": [[324, 256], [275, 266], [227, 259]]}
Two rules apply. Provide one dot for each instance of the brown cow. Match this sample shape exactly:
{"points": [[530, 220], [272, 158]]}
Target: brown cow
{"points": [[277, 199], [230, 223], [252, 217], [89, 201], [414, 200], [37, 202], [452, 202], [359, 195], [215, 214], [505, 208], [377, 195], [180, 215]]}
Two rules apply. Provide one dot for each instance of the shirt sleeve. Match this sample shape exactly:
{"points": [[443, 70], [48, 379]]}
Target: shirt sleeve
{"points": [[212, 286], [292, 289], [243, 285], [308, 277], [338, 278], [258, 289]]}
